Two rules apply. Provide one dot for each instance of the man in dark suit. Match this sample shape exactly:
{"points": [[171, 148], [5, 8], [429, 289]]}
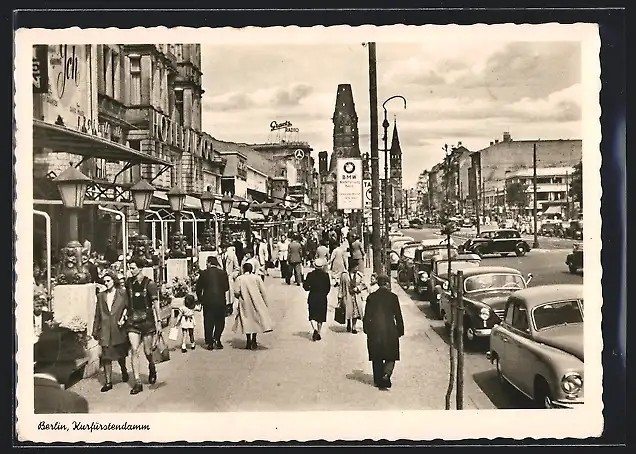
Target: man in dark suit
{"points": [[295, 260], [211, 286], [383, 325], [54, 355]]}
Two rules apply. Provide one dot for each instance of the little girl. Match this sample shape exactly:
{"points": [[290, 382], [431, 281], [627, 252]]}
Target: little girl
{"points": [[185, 321]]}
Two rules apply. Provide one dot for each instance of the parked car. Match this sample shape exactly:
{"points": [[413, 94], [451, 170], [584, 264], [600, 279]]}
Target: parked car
{"points": [[499, 241], [574, 230], [428, 251], [468, 222], [486, 289], [554, 229], [405, 262], [538, 347], [404, 223], [574, 260], [416, 223], [439, 275]]}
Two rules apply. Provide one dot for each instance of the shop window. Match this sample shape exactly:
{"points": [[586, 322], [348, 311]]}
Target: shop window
{"points": [[135, 80]]}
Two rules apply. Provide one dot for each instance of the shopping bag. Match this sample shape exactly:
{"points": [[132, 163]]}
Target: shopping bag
{"points": [[174, 333], [339, 315], [161, 353]]}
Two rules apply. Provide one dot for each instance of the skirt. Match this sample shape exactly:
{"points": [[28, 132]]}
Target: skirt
{"points": [[318, 312], [115, 352]]}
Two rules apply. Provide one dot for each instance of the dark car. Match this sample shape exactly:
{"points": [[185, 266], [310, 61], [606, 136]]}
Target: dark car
{"points": [[574, 230], [416, 257], [574, 260], [438, 277], [486, 290], [499, 241], [416, 223], [425, 256]]}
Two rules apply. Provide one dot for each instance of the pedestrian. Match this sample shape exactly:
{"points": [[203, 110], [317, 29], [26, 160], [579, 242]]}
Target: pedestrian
{"points": [[211, 289], [337, 263], [108, 328], [185, 321], [232, 267], [318, 285], [54, 355], [295, 259], [252, 315], [42, 318], [383, 325], [263, 256], [143, 321], [283, 249], [322, 252], [346, 300], [256, 265], [356, 261]]}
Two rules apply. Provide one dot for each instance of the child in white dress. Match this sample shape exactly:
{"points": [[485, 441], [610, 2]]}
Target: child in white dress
{"points": [[185, 321]]}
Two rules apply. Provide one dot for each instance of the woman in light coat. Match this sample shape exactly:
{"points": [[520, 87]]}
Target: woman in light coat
{"points": [[263, 255], [338, 263], [253, 315], [232, 267], [283, 251]]}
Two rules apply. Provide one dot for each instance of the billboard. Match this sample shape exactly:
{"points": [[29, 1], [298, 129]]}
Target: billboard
{"points": [[350, 184]]}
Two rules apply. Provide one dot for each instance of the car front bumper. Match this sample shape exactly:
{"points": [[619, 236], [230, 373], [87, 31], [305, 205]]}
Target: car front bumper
{"points": [[569, 404], [482, 332]]}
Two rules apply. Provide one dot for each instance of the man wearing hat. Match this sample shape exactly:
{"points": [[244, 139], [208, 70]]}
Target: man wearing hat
{"points": [[211, 287], [54, 355], [383, 325]]}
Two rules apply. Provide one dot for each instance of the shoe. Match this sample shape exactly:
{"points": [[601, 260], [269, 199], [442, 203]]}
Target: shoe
{"points": [[314, 336], [219, 345], [248, 345], [184, 350], [318, 336], [348, 328], [124, 376], [152, 376], [193, 346], [209, 346], [107, 387], [137, 389], [354, 331], [254, 345], [386, 381]]}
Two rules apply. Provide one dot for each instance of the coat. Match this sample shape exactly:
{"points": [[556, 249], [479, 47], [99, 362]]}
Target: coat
{"points": [[338, 261], [282, 250], [318, 284], [253, 315], [322, 252], [263, 253], [105, 328], [383, 325], [357, 251], [211, 287], [295, 254], [50, 398]]}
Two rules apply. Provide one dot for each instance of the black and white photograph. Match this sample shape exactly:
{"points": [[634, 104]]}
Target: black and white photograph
{"points": [[327, 233]]}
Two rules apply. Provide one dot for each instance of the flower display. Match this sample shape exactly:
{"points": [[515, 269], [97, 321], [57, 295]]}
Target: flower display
{"points": [[76, 325], [180, 287]]}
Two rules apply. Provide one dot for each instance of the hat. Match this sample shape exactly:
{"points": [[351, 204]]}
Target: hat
{"points": [[383, 279], [56, 345], [319, 262]]}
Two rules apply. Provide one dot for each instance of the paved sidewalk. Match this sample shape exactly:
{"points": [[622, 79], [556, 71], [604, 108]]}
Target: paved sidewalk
{"points": [[289, 372]]}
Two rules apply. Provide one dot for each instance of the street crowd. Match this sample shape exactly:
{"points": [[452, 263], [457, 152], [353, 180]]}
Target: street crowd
{"points": [[127, 316]]}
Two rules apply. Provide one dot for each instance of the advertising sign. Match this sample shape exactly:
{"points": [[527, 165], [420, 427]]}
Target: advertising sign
{"points": [[349, 184], [367, 193], [40, 69]]}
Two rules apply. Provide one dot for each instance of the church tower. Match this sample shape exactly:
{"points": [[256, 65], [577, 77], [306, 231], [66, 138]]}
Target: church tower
{"points": [[395, 176]]}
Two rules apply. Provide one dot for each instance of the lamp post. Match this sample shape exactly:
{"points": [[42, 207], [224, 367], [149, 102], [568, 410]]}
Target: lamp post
{"points": [[275, 210], [243, 207], [72, 185], [208, 240], [288, 212], [176, 199], [227, 202], [142, 193], [385, 201], [265, 209]]}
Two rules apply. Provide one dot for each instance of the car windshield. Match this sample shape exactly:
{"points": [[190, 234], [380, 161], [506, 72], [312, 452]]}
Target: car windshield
{"points": [[493, 280], [558, 314], [409, 252], [441, 253], [442, 265]]}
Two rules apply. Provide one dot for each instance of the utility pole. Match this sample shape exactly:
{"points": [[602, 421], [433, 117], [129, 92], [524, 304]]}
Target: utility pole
{"points": [[375, 162], [567, 195], [535, 244], [477, 197], [448, 230], [459, 394]]}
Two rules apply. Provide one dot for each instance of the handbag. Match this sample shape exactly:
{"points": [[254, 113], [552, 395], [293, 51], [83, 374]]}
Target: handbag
{"points": [[339, 314], [161, 353], [173, 335]]}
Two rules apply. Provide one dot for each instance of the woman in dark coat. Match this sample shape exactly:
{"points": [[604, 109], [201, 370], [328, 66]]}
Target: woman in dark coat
{"points": [[318, 285], [108, 328], [383, 325]]}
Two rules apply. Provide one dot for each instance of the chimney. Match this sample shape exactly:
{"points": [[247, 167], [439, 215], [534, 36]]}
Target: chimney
{"points": [[496, 140], [506, 137], [459, 144], [492, 143]]}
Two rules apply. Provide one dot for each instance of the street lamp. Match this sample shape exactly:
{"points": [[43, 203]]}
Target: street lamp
{"points": [[176, 199], [208, 239], [72, 185], [288, 212], [227, 202], [142, 193], [243, 207], [385, 201]]}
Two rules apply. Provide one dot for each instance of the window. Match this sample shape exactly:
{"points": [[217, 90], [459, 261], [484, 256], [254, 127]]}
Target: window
{"points": [[557, 314], [162, 100], [178, 103], [114, 75], [509, 313], [520, 318], [107, 71], [135, 80]]}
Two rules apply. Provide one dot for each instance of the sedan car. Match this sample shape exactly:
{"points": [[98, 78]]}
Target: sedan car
{"points": [[422, 260], [499, 241], [538, 347], [574, 260], [485, 289], [439, 275]]}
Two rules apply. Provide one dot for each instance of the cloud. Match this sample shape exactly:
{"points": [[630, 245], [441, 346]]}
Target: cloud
{"points": [[292, 96]]}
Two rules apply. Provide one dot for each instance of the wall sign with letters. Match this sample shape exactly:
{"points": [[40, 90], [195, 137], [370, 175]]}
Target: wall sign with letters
{"points": [[349, 184], [171, 133]]}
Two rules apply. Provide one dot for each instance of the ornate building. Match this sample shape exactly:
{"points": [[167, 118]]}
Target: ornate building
{"points": [[395, 175], [345, 139]]}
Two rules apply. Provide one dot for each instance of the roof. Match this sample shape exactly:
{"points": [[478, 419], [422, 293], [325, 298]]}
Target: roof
{"points": [[541, 172], [490, 270], [254, 159], [534, 296]]}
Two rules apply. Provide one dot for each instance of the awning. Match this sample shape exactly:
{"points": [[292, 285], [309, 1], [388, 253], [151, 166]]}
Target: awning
{"points": [[62, 139], [553, 210]]}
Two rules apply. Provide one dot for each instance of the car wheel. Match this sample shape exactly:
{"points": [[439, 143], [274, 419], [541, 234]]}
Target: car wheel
{"points": [[542, 395], [520, 250]]}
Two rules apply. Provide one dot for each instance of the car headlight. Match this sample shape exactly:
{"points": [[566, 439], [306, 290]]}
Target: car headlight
{"points": [[571, 383], [445, 285], [423, 275], [484, 313]]}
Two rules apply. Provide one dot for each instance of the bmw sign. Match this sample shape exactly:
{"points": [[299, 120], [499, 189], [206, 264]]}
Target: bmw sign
{"points": [[350, 189]]}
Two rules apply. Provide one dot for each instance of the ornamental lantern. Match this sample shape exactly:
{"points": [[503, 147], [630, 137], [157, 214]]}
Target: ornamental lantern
{"points": [[72, 185]]}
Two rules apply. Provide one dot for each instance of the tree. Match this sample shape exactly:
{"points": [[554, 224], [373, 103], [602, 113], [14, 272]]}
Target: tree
{"points": [[516, 194], [576, 184]]}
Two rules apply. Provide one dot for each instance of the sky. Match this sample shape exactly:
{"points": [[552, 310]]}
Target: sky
{"points": [[464, 91]]}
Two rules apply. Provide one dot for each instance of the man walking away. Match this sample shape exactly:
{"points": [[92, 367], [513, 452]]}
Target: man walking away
{"points": [[211, 287], [383, 325], [295, 258]]}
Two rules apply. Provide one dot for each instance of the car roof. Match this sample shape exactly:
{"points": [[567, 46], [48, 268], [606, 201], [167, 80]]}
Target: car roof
{"points": [[433, 242], [540, 294], [410, 243], [458, 258], [490, 270]]}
